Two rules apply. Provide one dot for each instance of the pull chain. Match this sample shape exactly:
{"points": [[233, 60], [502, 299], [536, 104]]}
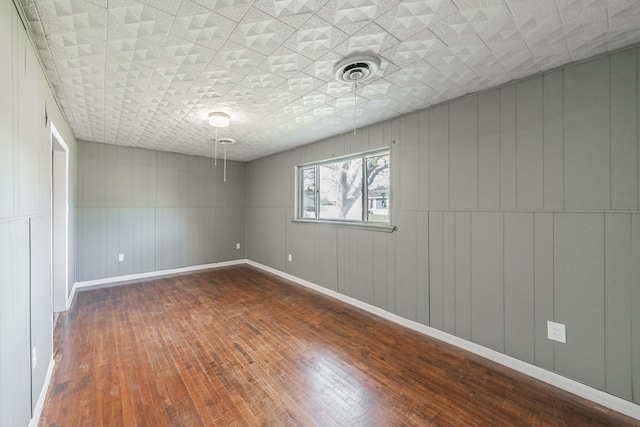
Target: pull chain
{"points": [[355, 106], [225, 164], [215, 150]]}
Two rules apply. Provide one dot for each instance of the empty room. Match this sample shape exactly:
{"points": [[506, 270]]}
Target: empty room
{"points": [[319, 213]]}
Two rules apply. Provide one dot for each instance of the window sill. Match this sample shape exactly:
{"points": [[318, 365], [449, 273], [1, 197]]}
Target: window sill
{"points": [[385, 228]]}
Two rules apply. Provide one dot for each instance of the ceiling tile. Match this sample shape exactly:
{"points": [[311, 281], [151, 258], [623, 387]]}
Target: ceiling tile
{"points": [[201, 25], [232, 9], [134, 50], [415, 47], [417, 14], [315, 38], [292, 12], [261, 32], [74, 15], [147, 73], [133, 19], [623, 15], [185, 53], [371, 39], [236, 58], [169, 6]]}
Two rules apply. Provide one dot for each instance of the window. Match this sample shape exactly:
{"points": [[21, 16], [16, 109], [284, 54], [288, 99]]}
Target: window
{"points": [[353, 189]]}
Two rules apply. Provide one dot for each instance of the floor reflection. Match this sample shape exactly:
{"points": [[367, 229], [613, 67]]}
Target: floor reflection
{"points": [[338, 390]]}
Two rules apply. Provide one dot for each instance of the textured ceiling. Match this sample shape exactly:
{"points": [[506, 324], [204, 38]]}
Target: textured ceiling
{"points": [[147, 73]]}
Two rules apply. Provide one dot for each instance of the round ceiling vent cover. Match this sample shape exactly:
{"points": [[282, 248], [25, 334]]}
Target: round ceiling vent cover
{"points": [[226, 141], [356, 69]]}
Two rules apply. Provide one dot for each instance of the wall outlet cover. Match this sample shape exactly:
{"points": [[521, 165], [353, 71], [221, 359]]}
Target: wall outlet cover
{"points": [[557, 332], [290, 258], [120, 257], [237, 245]]}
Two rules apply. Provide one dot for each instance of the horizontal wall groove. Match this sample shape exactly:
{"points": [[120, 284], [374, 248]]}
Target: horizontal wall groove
{"points": [[22, 217], [533, 211], [477, 210], [87, 206]]}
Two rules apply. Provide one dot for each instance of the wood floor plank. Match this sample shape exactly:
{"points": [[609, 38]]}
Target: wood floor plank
{"points": [[237, 346]]}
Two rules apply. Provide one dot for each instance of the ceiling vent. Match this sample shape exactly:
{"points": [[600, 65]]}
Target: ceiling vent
{"points": [[356, 68], [226, 141]]}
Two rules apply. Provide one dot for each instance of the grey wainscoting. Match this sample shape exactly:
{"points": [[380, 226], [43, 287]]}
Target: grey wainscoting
{"points": [[160, 210]]}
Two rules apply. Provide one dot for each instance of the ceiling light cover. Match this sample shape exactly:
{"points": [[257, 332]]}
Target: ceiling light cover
{"points": [[356, 68], [226, 141], [219, 119]]}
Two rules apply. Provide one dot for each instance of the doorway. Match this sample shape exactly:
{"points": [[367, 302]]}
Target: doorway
{"points": [[59, 220]]}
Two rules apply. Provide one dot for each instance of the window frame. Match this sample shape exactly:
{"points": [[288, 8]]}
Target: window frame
{"points": [[364, 222]]}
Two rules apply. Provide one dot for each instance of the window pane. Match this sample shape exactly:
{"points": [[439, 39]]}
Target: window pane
{"points": [[308, 202], [378, 188], [341, 190]]}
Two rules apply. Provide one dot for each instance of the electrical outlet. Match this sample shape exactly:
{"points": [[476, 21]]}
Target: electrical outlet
{"points": [[120, 257], [290, 258], [557, 332], [237, 245], [34, 358]]}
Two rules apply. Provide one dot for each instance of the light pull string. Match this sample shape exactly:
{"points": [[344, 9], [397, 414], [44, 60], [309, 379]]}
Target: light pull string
{"points": [[355, 106], [225, 164], [215, 150]]}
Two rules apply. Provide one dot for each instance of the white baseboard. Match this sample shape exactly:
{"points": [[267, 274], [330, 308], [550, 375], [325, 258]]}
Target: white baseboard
{"points": [[598, 396], [132, 277], [71, 297], [37, 411]]}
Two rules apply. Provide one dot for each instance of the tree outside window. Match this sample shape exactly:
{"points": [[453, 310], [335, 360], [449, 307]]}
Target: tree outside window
{"points": [[355, 188]]}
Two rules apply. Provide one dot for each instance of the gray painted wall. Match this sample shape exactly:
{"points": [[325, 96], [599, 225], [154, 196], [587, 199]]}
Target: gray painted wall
{"points": [[25, 219], [513, 207], [161, 210]]}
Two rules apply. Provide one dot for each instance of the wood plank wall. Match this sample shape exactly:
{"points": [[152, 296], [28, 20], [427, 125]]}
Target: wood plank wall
{"points": [[161, 210], [513, 207], [25, 219]]}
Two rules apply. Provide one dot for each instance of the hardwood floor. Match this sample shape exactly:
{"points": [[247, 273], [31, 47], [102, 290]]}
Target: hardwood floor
{"points": [[240, 347]]}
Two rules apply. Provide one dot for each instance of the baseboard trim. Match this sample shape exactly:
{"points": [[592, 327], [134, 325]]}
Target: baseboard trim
{"points": [[587, 392], [71, 296], [37, 411], [77, 286]]}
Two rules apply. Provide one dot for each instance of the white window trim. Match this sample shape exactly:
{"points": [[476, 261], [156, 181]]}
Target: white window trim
{"points": [[387, 227], [373, 226]]}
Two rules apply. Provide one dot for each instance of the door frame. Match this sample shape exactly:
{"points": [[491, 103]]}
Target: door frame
{"points": [[59, 221]]}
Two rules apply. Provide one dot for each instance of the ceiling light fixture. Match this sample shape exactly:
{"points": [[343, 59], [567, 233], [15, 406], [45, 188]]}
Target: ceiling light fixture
{"points": [[219, 119], [356, 69]]}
